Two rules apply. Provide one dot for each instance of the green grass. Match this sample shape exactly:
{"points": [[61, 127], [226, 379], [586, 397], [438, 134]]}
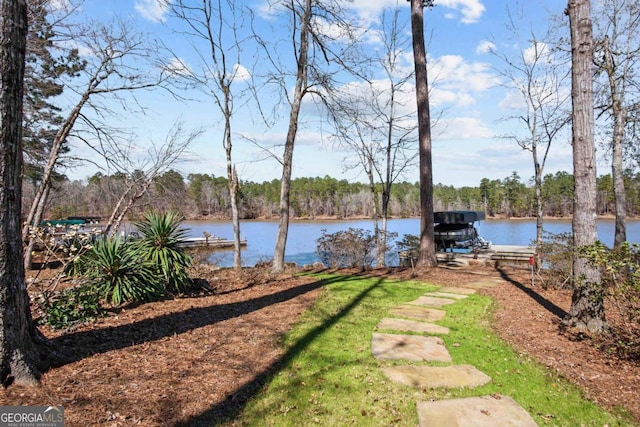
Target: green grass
{"points": [[329, 376]]}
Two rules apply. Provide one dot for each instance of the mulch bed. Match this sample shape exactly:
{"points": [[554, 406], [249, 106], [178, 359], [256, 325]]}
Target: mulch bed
{"points": [[529, 317], [183, 361], [195, 360]]}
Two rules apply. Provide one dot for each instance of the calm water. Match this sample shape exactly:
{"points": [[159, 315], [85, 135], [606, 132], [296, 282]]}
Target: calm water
{"points": [[301, 243]]}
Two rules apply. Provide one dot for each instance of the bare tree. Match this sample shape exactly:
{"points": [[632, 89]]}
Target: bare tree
{"points": [[139, 175], [374, 121], [427, 255], [323, 41], [617, 50], [541, 82], [587, 303], [114, 66], [20, 358], [219, 23]]}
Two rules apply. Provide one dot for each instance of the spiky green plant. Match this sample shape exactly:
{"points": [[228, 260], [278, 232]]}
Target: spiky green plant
{"points": [[117, 273], [160, 245]]}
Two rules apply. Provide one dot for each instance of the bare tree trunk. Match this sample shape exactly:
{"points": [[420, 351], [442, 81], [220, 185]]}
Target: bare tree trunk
{"points": [[377, 234], [538, 195], [619, 121], [287, 160], [587, 304], [427, 257], [34, 217], [21, 352], [124, 205], [235, 217], [619, 193]]}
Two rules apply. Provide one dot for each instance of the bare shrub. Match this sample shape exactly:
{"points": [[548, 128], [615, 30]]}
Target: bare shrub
{"points": [[354, 247]]}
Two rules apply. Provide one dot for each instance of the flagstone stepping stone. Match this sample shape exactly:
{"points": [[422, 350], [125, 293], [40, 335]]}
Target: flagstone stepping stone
{"points": [[483, 411], [437, 376], [430, 301], [446, 295], [411, 325], [483, 284], [418, 312], [458, 290], [409, 347]]}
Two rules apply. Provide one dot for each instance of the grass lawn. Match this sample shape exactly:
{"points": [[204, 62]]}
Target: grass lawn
{"points": [[329, 376]]}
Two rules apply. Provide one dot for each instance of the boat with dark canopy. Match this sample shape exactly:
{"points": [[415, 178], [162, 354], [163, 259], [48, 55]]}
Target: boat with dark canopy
{"points": [[456, 230]]}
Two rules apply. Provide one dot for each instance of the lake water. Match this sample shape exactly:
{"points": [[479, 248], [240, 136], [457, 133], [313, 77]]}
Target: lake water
{"points": [[301, 242]]}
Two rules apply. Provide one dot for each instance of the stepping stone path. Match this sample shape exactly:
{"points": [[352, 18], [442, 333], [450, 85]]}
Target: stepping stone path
{"points": [[480, 411]]}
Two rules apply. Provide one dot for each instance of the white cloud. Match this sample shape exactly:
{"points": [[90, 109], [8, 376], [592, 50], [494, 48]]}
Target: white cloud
{"points": [[152, 10], [468, 11], [536, 53], [512, 100], [178, 67], [461, 128], [485, 46], [455, 70], [471, 10], [63, 5], [241, 73]]}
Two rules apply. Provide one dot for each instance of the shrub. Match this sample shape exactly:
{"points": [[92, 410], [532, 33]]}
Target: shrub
{"points": [[556, 253], [408, 250], [620, 275], [115, 270], [159, 245], [69, 307], [354, 247]]}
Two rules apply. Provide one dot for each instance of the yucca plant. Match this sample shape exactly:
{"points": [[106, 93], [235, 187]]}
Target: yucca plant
{"points": [[117, 273], [160, 245]]}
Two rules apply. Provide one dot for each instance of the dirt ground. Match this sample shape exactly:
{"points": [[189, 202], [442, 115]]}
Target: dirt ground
{"points": [[194, 360]]}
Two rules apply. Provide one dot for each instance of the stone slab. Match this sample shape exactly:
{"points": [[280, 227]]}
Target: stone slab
{"points": [[484, 411], [431, 301], [483, 284], [419, 313], [411, 325], [409, 347], [447, 295], [457, 290], [437, 376]]}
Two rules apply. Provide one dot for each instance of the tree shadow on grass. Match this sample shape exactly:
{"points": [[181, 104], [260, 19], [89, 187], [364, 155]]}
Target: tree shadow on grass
{"points": [[235, 402], [83, 344], [548, 305]]}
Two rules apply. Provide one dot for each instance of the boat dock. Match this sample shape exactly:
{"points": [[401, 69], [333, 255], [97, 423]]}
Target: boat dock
{"points": [[495, 254], [209, 242]]}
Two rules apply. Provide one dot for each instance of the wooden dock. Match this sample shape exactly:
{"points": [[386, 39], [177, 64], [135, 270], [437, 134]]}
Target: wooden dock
{"points": [[209, 242], [496, 254]]}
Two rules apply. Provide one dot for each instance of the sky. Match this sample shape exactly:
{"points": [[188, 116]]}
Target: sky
{"points": [[466, 91]]}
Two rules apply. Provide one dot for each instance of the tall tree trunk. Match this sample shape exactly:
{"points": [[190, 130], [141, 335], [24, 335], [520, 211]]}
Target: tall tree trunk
{"points": [[538, 200], [617, 169], [235, 219], [427, 257], [376, 214], [20, 354], [232, 177], [34, 216], [287, 159], [587, 304]]}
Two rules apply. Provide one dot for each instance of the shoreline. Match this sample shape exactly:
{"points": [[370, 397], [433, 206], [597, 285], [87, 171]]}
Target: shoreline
{"points": [[367, 218]]}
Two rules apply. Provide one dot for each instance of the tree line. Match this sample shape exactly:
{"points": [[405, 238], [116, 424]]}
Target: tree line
{"points": [[199, 196]]}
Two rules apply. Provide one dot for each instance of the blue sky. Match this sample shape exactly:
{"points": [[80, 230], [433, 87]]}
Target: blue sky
{"points": [[463, 78]]}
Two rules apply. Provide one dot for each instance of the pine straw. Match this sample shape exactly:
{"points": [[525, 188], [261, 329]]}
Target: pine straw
{"points": [[195, 360], [187, 360], [529, 317]]}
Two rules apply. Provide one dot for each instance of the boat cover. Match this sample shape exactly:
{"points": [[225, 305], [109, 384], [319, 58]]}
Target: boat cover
{"points": [[457, 217]]}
